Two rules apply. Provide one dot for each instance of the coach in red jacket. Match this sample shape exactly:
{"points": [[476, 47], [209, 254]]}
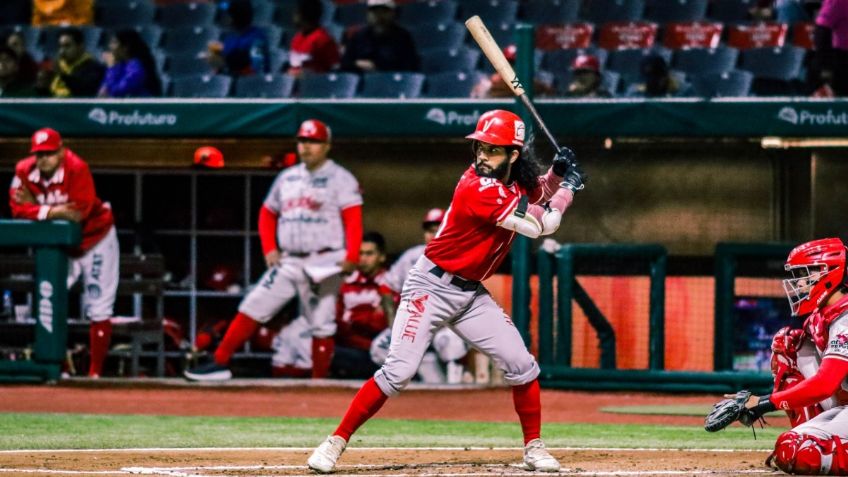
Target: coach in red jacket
{"points": [[55, 184]]}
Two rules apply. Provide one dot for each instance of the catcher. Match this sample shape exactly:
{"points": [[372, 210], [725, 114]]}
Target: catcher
{"points": [[810, 366]]}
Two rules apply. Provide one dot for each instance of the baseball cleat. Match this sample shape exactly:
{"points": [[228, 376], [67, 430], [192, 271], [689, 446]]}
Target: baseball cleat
{"points": [[536, 457], [324, 458], [208, 372]]}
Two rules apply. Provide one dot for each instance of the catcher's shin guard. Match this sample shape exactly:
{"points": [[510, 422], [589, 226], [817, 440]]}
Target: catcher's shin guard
{"points": [[804, 454]]}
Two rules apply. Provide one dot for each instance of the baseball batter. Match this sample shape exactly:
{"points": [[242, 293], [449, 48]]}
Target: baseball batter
{"points": [[499, 195], [310, 227], [56, 184], [810, 365]]}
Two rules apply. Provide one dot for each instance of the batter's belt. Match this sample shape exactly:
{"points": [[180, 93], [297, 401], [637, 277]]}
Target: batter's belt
{"points": [[307, 254], [461, 283]]}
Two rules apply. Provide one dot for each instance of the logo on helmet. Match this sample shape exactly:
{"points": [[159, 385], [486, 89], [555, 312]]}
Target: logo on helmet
{"points": [[519, 131]]}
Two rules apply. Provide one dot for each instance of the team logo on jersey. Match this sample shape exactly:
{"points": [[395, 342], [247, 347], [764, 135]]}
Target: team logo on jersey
{"points": [[415, 308], [319, 182], [839, 343], [93, 291], [487, 183]]}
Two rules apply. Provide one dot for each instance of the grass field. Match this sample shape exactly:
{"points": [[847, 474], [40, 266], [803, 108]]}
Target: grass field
{"points": [[86, 431]]}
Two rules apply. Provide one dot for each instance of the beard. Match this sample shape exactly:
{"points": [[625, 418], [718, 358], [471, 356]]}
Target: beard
{"points": [[498, 173]]}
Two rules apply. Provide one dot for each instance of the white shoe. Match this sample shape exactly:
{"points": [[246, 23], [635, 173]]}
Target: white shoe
{"points": [[324, 457], [538, 458]]}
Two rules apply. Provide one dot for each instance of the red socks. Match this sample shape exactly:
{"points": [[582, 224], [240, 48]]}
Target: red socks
{"points": [[240, 330], [322, 355], [365, 404], [528, 405], [100, 334]]}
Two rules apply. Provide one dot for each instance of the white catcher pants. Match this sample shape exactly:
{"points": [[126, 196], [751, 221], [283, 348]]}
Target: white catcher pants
{"points": [[99, 269]]}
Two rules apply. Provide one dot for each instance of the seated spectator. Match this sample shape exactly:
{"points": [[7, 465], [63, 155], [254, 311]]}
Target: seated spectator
{"points": [[657, 80], [790, 11], [382, 45], [244, 50], [312, 49], [828, 73], [12, 85], [132, 70], [77, 74], [587, 79], [494, 86], [28, 68], [62, 12]]}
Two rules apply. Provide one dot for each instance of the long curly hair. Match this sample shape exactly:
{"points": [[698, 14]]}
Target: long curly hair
{"points": [[527, 169]]}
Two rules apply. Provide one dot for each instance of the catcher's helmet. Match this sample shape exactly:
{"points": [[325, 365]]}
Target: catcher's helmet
{"points": [[433, 217], [208, 156], [315, 130], [499, 128], [818, 270]]}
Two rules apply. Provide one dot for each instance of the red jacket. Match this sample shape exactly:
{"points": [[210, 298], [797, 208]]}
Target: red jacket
{"points": [[359, 315], [71, 183]]}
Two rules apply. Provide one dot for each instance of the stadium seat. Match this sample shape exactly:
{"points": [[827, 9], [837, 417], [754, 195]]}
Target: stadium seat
{"points": [[205, 86], [603, 11], [334, 30], [503, 33], [610, 81], [161, 60], [492, 12], [735, 83], [279, 58], [565, 36], [692, 35], [550, 12], [702, 61], [265, 86], [392, 85], [329, 85], [627, 35], [188, 64], [442, 35], [782, 64], [559, 61], [264, 13], [275, 35], [189, 39], [757, 35], [151, 34], [186, 15], [666, 11], [352, 14], [427, 13], [285, 11], [452, 84], [125, 14], [50, 39], [628, 63], [730, 11], [441, 60], [802, 35], [31, 36]]}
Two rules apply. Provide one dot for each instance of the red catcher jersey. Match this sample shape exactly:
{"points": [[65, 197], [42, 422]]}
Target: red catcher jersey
{"points": [[359, 315], [469, 242], [71, 183]]}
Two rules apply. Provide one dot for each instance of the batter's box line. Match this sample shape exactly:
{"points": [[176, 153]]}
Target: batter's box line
{"points": [[372, 449]]}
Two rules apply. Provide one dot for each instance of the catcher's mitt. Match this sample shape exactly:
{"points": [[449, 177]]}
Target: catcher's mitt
{"points": [[729, 410]]}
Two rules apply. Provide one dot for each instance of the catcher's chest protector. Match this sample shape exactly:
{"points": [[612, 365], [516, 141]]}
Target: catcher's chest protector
{"points": [[818, 323]]}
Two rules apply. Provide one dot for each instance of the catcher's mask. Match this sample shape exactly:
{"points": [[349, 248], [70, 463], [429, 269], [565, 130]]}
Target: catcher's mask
{"points": [[818, 270]]}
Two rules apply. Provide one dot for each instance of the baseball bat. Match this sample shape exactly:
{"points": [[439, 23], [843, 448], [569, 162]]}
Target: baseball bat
{"points": [[496, 57]]}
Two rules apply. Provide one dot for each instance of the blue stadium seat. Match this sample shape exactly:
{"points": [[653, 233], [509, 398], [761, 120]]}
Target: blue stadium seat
{"points": [[205, 86], [187, 14], [441, 60], [264, 13], [703, 61], [427, 13], [490, 11], [628, 62], [559, 61], [188, 64], [50, 39], [441, 35], [503, 33], [603, 11], [392, 85], [329, 85], [115, 15], [151, 34], [278, 58], [610, 81], [265, 86], [550, 12], [189, 39], [351, 14], [783, 64], [275, 35], [334, 30], [735, 83], [731, 11], [452, 84], [667, 11], [31, 36]]}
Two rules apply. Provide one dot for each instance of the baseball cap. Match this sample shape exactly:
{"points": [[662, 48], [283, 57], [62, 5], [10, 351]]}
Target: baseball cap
{"points": [[586, 62], [315, 130], [433, 216], [510, 52], [381, 3], [208, 156], [46, 139]]}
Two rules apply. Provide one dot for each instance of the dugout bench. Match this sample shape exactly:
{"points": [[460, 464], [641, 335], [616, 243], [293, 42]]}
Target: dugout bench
{"points": [[140, 276]]}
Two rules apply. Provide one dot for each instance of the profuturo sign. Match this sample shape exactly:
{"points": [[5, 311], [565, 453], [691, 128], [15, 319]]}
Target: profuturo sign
{"points": [[135, 118]]}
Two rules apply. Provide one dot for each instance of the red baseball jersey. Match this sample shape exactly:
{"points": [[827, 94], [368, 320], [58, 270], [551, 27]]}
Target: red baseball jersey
{"points": [[469, 242], [315, 51], [71, 183], [359, 315]]}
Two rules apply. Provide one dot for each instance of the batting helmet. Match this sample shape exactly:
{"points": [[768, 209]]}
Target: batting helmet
{"points": [[315, 130], [499, 128], [433, 216], [818, 270], [208, 156]]}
